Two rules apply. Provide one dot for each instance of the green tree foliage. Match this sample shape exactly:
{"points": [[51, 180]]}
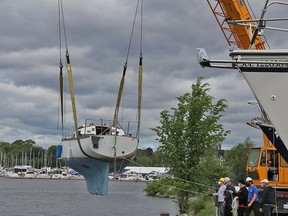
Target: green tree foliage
{"points": [[236, 159], [146, 157], [26, 152], [189, 135]]}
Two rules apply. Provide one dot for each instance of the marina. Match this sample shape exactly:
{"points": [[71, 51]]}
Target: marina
{"points": [[129, 173]]}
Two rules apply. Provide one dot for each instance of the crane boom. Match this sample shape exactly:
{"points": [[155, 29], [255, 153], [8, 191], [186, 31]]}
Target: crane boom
{"points": [[236, 35]]}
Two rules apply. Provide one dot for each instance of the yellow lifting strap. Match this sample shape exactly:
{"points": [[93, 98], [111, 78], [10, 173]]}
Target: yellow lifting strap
{"points": [[120, 92], [72, 93]]}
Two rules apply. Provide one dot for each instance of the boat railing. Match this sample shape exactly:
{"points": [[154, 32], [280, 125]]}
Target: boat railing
{"points": [[103, 126]]}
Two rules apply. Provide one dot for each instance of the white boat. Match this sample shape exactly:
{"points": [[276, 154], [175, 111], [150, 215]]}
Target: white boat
{"points": [[262, 69], [96, 152], [21, 172], [131, 176], [99, 147], [266, 72], [58, 173], [100, 142]]}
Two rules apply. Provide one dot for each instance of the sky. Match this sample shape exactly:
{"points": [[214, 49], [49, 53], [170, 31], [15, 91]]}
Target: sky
{"points": [[98, 34]]}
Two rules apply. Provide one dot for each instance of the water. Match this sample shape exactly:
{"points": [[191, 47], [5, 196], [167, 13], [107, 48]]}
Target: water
{"points": [[34, 197]]}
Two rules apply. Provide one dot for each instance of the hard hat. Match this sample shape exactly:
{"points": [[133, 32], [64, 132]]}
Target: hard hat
{"points": [[265, 181], [221, 180], [226, 179], [248, 179]]}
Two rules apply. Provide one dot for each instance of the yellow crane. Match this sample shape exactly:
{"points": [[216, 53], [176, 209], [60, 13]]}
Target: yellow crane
{"points": [[236, 35], [263, 162]]}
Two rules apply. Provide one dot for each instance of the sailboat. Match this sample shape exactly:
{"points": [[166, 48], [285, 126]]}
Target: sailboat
{"points": [[266, 72], [99, 146]]}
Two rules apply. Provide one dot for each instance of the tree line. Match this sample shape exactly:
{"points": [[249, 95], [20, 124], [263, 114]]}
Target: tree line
{"points": [[26, 152]]}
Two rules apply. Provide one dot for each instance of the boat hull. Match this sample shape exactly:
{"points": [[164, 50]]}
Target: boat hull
{"points": [[101, 147], [95, 156], [272, 98], [268, 82]]}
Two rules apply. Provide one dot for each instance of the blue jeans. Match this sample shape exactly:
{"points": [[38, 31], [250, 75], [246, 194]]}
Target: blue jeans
{"points": [[221, 208], [267, 209]]}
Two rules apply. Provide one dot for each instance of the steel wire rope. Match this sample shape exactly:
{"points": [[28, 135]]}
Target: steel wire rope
{"points": [[253, 14], [61, 15], [126, 65], [120, 91], [69, 71], [274, 162], [188, 181], [174, 187], [60, 107]]}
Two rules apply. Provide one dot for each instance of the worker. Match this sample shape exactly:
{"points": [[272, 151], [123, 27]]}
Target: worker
{"points": [[220, 194], [253, 199], [268, 201], [242, 195], [228, 196]]}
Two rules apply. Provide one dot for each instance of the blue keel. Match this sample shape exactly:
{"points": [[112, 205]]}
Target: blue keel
{"points": [[95, 172]]}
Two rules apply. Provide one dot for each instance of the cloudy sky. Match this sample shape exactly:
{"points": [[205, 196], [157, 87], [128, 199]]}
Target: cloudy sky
{"points": [[98, 34]]}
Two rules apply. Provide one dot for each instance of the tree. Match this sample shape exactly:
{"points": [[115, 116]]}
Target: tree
{"points": [[236, 159], [26, 152], [188, 134]]}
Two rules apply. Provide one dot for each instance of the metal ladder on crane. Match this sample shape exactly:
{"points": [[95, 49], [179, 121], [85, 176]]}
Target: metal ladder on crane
{"points": [[227, 11]]}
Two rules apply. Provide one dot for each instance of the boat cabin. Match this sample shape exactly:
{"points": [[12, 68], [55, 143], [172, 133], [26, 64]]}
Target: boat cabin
{"points": [[99, 130]]}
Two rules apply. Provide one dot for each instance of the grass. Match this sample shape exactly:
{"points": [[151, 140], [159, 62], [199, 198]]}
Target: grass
{"points": [[208, 206]]}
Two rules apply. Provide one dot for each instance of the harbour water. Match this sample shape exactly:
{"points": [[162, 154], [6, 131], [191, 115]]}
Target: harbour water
{"points": [[34, 197]]}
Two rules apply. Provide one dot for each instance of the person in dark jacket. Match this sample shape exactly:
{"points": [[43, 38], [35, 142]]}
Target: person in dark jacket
{"points": [[268, 201], [242, 198], [228, 194]]}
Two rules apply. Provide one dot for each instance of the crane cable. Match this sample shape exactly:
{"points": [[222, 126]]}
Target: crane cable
{"points": [[253, 14], [208, 187], [69, 70], [274, 170], [70, 77], [120, 92], [60, 67], [121, 86]]}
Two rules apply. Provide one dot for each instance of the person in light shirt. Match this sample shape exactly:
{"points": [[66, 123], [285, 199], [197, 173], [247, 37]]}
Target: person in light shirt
{"points": [[220, 194]]}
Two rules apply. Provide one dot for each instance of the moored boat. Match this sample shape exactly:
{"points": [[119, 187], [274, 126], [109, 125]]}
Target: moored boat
{"points": [[21, 172]]}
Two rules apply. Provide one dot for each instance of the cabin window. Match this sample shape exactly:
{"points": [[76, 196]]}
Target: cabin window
{"points": [[283, 163], [263, 158], [272, 158], [253, 157]]}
